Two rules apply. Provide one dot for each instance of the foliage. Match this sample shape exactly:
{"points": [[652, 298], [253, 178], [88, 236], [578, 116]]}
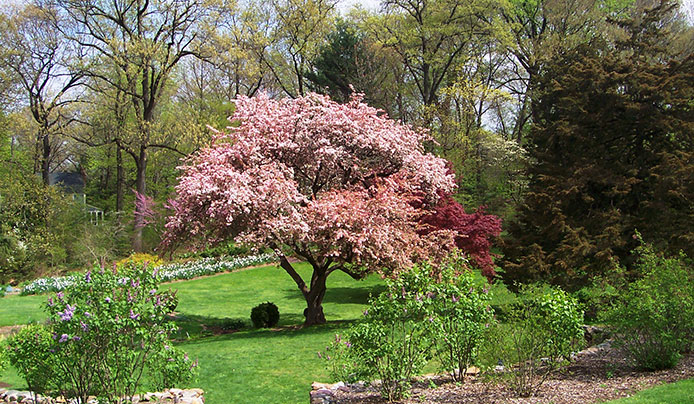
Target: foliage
{"points": [[541, 331], [223, 249], [331, 183], [173, 368], [473, 231], [653, 317], [30, 351], [167, 273], [37, 230], [265, 315], [612, 140], [116, 319], [461, 314]]}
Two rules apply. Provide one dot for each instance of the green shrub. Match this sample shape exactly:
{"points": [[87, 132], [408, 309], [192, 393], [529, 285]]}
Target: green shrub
{"points": [[541, 332], [265, 315], [459, 310], [30, 352], [118, 320], [172, 368], [653, 317], [393, 340]]}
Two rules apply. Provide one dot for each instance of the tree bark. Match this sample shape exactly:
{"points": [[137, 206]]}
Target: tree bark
{"points": [[46, 159], [141, 163], [313, 313], [120, 179]]}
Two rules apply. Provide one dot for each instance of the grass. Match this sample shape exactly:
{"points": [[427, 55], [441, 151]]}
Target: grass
{"points": [[259, 366], [681, 392]]}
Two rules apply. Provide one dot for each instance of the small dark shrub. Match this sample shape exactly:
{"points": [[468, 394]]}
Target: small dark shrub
{"points": [[265, 315], [653, 317]]}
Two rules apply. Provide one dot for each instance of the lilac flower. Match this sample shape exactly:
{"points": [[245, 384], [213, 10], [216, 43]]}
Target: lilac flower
{"points": [[50, 302], [60, 295], [366, 312], [485, 290], [171, 359], [167, 347], [418, 298], [348, 344], [76, 338], [133, 315], [320, 356], [87, 314], [55, 336], [108, 299], [152, 292], [88, 277], [455, 299], [68, 313], [64, 338], [135, 284], [84, 326]]}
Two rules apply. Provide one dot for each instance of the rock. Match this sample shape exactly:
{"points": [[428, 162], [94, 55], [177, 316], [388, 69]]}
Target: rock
{"points": [[331, 387], [322, 396], [12, 395]]}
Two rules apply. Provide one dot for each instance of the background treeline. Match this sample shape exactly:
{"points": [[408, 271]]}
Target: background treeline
{"points": [[571, 120]]}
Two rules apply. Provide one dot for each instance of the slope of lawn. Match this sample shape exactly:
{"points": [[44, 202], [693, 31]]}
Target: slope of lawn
{"points": [[681, 392], [248, 366]]}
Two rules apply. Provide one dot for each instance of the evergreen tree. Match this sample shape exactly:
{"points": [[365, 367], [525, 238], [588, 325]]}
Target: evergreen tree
{"points": [[613, 142]]}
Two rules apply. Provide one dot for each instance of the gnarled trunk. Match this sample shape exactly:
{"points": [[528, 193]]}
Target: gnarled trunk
{"points": [[313, 313]]}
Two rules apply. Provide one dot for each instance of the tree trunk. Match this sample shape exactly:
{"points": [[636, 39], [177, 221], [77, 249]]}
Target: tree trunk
{"points": [[120, 179], [141, 164], [313, 313], [46, 159]]}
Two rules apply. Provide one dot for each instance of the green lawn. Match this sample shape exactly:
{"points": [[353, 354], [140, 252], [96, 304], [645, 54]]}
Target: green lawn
{"points": [[258, 366], [681, 392]]}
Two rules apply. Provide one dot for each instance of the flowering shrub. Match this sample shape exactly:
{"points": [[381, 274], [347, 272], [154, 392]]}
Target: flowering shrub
{"points": [[167, 273], [29, 351], [108, 329], [141, 258]]}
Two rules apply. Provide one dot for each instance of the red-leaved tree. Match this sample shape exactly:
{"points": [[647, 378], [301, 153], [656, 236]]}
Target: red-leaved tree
{"points": [[339, 186], [473, 231]]}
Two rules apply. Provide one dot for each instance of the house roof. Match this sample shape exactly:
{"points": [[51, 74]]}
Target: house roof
{"points": [[70, 182]]}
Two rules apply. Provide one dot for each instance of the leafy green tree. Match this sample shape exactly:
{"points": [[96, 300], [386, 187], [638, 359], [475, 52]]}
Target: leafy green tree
{"points": [[612, 139]]}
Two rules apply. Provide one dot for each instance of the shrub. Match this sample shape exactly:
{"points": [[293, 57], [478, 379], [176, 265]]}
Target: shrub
{"points": [[653, 317], [460, 314], [541, 332], [152, 261], [172, 368], [393, 340], [265, 315], [116, 320], [29, 351]]}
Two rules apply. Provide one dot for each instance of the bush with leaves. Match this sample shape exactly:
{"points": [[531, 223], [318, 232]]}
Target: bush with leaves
{"points": [[30, 352], [265, 315], [542, 330], [653, 317], [110, 330], [460, 314], [393, 340]]}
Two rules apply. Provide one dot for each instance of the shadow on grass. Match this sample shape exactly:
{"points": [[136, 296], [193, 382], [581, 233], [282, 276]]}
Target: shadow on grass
{"points": [[292, 331], [337, 295]]}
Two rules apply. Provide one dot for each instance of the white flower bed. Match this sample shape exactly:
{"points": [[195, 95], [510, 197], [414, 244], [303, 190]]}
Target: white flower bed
{"points": [[167, 273]]}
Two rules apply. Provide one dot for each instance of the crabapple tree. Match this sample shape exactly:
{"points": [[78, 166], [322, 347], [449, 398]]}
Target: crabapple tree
{"points": [[340, 186]]}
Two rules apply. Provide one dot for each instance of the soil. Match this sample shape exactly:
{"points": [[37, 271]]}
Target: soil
{"points": [[592, 377]]}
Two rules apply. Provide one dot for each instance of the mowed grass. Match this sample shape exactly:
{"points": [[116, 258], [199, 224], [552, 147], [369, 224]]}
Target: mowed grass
{"points": [[15, 309], [247, 366], [681, 392]]}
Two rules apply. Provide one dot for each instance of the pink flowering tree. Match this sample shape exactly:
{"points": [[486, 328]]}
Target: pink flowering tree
{"points": [[341, 187]]}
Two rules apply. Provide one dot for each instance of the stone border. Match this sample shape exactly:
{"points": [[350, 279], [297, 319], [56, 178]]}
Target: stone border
{"points": [[170, 396]]}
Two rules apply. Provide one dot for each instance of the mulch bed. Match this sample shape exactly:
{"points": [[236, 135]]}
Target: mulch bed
{"points": [[591, 378]]}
